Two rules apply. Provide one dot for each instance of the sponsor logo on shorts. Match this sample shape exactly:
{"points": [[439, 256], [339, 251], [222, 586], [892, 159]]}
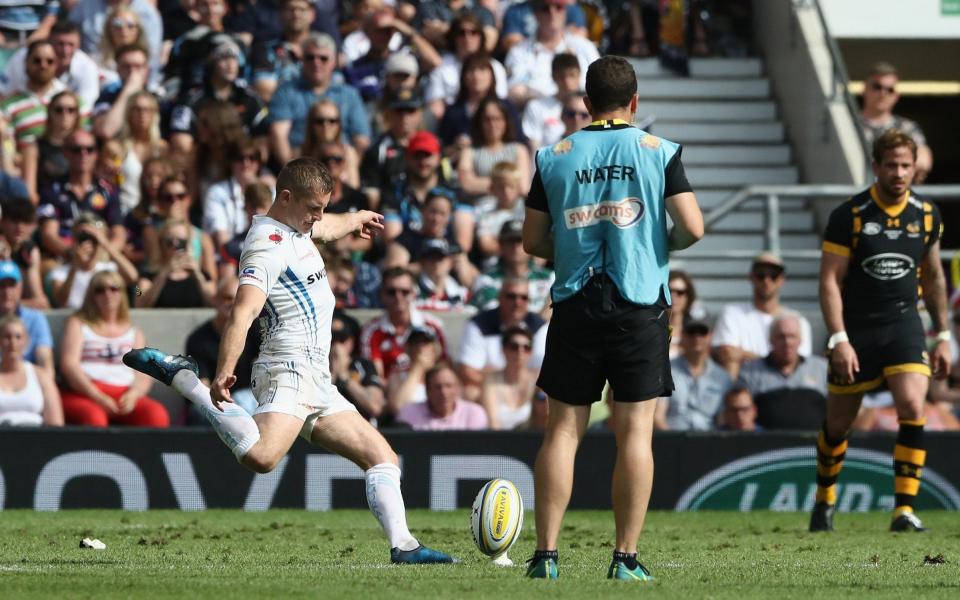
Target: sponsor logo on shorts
{"points": [[872, 228], [621, 213], [888, 266]]}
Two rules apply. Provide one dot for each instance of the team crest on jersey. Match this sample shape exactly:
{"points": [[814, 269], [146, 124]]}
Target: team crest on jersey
{"points": [[276, 237], [913, 229], [621, 213], [650, 141], [872, 228], [98, 202], [563, 146]]}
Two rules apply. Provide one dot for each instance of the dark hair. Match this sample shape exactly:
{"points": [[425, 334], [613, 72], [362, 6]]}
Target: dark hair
{"points": [[457, 25], [36, 44], [476, 123], [240, 148], [735, 389], [435, 194], [128, 48], [477, 60], [62, 26], [611, 83], [563, 61], [396, 272], [303, 176], [691, 289], [437, 368], [18, 210], [516, 330], [890, 139]]}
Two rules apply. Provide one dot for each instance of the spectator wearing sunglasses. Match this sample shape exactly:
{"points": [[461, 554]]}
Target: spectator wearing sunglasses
{"points": [[743, 330], [879, 99], [574, 114], [25, 112], [481, 347], [174, 204], [383, 339], [324, 125], [63, 201], [179, 282], [383, 163], [99, 389], [508, 394], [224, 216]]}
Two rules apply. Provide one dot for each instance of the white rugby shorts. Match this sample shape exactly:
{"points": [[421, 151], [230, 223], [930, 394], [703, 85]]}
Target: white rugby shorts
{"points": [[297, 388]]}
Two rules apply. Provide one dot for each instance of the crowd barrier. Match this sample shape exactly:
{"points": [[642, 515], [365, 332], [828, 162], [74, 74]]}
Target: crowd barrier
{"points": [[191, 470]]}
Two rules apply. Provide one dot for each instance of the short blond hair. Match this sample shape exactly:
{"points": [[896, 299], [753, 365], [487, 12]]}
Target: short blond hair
{"points": [[505, 172]]}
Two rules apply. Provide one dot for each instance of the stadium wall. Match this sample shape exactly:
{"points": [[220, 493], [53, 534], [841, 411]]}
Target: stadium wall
{"points": [[48, 470]]}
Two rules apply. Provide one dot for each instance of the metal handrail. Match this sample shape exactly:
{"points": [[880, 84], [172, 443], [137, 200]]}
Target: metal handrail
{"points": [[772, 195], [841, 80]]}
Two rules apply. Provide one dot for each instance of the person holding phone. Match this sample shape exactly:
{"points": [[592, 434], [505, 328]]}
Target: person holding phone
{"points": [[179, 282]]}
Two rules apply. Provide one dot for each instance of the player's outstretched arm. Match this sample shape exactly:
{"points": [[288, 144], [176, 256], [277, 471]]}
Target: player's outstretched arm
{"points": [[246, 307], [538, 234], [687, 220], [365, 223], [833, 270], [934, 285]]}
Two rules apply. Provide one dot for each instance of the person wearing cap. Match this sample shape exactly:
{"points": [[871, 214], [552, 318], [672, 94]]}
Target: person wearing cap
{"points": [[445, 408], [881, 257], [514, 262], [790, 390], [743, 329], [437, 289], [598, 207], [481, 346], [291, 103], [39, 351], [465, 36], [383, 164], [699, 382], [221, 81], [193, 50], [355, 377], [426, 174]]}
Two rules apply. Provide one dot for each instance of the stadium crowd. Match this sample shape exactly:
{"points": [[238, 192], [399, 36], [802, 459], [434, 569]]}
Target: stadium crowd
{"points": [[139, 138]]}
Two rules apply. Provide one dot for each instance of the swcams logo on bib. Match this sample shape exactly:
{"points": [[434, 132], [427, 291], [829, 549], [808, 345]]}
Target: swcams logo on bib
{"points": [[622, 213], [783, 480]]}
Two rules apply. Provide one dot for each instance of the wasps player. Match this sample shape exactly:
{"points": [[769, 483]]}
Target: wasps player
{"points": [[878, 247]]}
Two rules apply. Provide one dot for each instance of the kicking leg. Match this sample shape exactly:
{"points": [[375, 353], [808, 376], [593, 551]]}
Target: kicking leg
{"points": [[352, 437]]}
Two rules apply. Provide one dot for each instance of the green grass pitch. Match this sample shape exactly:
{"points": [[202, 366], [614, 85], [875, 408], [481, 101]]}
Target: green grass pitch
{"points": [[341, 554]]}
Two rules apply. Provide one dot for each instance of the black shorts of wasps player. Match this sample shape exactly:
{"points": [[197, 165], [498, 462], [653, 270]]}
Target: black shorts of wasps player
{"points": [[880, 249]]}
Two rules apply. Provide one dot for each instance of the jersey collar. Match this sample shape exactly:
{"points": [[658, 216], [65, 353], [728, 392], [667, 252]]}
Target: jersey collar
{"points": [[894, 209], [605, 124]]}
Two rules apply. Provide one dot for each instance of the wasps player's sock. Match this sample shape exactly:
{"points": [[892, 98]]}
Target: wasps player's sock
{"points": [[830, 454], [908, 460]]}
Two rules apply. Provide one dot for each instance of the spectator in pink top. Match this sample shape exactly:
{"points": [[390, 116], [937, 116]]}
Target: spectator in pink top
{"points": [[445, 408]]}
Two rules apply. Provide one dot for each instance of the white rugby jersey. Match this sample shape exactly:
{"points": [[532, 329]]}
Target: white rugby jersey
{"points": [[287, 267]]}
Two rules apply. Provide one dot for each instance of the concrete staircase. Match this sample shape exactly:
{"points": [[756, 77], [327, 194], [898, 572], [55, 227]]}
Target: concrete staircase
{"points": [[726, 119]]}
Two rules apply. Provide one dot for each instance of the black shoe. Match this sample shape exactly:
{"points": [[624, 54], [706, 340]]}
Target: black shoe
{"points": [[821, 519], [159, 365], [906, 521]]}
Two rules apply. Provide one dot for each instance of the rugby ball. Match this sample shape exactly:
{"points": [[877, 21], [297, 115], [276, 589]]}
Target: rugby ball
{"points": [[497, 517]]}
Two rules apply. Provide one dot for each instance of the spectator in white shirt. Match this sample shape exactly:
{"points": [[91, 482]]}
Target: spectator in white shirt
{"points": [[529, 62], [542, 122], [224, 216], [743, 330]]}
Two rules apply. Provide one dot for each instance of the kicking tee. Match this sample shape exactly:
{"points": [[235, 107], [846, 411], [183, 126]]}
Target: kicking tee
{"points": [[287, 267]]}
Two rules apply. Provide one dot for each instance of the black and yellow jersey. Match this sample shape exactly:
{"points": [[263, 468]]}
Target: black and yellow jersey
{"points": [[886, 245]]}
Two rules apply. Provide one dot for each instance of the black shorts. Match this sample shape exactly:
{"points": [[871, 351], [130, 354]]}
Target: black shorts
{"points": [[627, 345], [884, 349]]}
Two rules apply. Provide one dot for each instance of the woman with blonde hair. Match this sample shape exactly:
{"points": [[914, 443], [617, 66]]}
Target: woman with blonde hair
{"points": [[324, 125], [140, 137], [28, 395], [122, 28], [100, 389]]}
